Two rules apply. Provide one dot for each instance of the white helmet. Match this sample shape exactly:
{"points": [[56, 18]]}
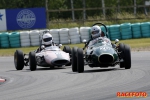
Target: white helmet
{"points": [[47, 39], [95, 31]]}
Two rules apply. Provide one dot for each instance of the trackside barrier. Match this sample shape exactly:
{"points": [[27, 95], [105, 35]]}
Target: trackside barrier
{"points": [[25, 39], [136, 30], [114, 32], [55, 34], [4, 40], [73, 35], [14, 39], [126, 32]]}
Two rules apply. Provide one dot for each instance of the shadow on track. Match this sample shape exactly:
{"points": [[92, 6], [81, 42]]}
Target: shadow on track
{"points": [[39, 69], [95, 70]]}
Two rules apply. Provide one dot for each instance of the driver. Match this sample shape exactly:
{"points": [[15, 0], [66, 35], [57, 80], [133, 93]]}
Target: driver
{"points": [[96, 34], [47, 40]]}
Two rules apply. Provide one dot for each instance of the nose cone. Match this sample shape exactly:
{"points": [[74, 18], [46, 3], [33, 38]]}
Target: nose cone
{"points": [[57, 58]]}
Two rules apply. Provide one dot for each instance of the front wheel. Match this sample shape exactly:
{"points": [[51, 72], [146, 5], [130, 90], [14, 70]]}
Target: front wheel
{"points": [[127, 57], [32, 61], [74, 59], [80, 60]]}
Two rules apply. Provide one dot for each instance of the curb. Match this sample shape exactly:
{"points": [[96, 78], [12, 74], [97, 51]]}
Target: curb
{"points": [[2, 80]]}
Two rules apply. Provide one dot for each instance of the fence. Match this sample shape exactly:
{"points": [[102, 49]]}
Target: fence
{"points": [[115, 14]]}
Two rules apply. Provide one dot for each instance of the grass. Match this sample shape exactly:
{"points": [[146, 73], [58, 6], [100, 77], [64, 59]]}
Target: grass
{"points": [[116, 18], [135, 44]]}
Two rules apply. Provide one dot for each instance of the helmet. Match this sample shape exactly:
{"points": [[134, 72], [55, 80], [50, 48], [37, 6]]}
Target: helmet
{"points": [[95, 31], [47, 39]]}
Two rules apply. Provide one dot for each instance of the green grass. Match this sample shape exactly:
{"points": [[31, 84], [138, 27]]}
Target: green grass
{"points": [[135, 44], [116, 18]]}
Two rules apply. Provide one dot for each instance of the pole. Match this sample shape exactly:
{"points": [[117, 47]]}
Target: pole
{"points": [[47, 13], [134, 7], [72, 9], [103, 6], [84, 12]]}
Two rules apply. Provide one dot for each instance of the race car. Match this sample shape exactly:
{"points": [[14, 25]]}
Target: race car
{"points": [[101, 54], [48, 57]]}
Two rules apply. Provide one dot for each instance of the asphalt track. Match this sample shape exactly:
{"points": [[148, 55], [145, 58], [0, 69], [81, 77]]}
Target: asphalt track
{"points": [[63, 84]]}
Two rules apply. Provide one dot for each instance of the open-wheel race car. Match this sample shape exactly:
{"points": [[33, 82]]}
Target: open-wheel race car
{"points": [[48, 57], [101, 54]]}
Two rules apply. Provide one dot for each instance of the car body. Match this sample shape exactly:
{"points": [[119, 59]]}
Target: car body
{"points": [[47, 57], [101, 54]]}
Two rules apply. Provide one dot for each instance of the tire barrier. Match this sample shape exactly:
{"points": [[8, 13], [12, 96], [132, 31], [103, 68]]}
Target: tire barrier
{"points": [[25, 39], [74, 35], [126, 32], [14, 39], [35, 37], [4, 40], [64, 36], [136, 30], [85, 33], [114, 32], [104, 30], [145, 29], [55, 34]]}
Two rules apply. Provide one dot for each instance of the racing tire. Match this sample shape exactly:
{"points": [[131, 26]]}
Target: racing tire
{"points": [[19, 60], [67, 49], [74, 59], [127, 57], [121, 49], [80, 60], [32, 61]]}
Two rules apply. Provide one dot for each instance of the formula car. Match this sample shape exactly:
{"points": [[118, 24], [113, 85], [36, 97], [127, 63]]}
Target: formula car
{"points": [[101, 54], [48, 57]]}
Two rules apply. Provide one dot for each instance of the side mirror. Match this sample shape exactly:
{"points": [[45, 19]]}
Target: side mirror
{"points": [[116, 41], [84, 41], [42, 47]]}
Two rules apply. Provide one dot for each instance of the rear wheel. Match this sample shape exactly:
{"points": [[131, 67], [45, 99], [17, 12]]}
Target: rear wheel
{"points": [[74, 59], [67, 49], [32, 61], [80, 60], [19, 60]]}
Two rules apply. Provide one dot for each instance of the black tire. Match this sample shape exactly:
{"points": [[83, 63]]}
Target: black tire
{"points": [[127, 57], [32, 61], [19, 60], [80, 60], [121, 49], [74, 59], [67, 49]]}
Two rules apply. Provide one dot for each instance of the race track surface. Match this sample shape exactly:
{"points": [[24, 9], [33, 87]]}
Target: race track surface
{"points": [[63, 84]]}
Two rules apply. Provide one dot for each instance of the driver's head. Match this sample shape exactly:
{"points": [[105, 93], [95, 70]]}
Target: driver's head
{"points": [[96, 31], [47, 38]]}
